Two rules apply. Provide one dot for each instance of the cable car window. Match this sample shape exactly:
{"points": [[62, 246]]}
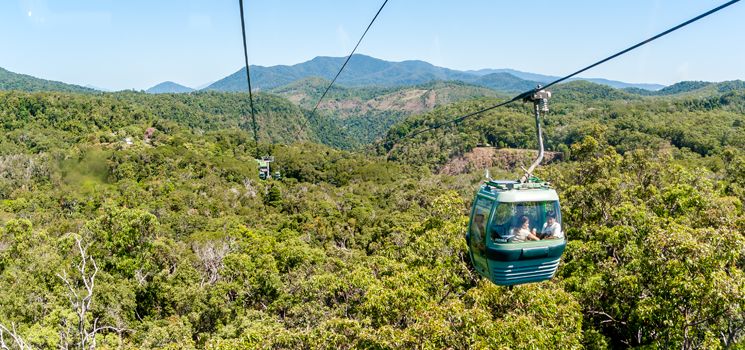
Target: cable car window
{"points": [[544, 217], [479, 218]]}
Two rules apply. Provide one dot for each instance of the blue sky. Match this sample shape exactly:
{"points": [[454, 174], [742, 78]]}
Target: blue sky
{"points": [[138, 44]]}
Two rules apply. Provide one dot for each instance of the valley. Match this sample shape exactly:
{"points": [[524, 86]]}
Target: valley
{"points": [[191, 250]]}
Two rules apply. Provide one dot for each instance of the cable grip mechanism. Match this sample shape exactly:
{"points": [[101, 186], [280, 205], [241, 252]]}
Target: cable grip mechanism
{"points": [[540, 101]]}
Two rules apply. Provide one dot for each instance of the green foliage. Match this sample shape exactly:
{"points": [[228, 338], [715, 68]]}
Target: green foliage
{"points": [[367, 252], [123, 238], [10, 81], [692, 89], [655, 252], [274, 198], [48, 121], [688, 128]]}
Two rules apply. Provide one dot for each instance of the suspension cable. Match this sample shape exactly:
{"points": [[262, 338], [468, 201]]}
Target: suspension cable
{"points": [[248, 76], [644, 42], [524, 94], [342, 68]]}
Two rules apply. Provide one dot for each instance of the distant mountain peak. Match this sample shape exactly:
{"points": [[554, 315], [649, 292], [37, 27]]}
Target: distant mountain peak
{"points": [[168, 87], [97, 88], [549, 78], [200, 87]]}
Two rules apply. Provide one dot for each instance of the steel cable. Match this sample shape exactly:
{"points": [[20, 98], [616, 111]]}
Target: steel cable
{"points": [[248, 76], [527, 93], [340, 70]]}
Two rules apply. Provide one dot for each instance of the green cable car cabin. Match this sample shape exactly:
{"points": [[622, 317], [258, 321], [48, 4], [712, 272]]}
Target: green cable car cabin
{"points": [[515, 234], [500, 249]]}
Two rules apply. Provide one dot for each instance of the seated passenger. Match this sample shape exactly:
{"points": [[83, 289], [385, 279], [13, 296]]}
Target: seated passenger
{"points": [[478, 232], [551, 229], [519, 212], [522, 231], [478, 228]]}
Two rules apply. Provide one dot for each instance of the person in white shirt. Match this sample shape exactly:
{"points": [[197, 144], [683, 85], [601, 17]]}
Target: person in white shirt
{"points": [[551, 229]]}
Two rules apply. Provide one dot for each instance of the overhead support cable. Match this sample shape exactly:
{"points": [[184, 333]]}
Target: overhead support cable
{"points": [[248, 76], [527, 93], [642, 43], [340, 70]]}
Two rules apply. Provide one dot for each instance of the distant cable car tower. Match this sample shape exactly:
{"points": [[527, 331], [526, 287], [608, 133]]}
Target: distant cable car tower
{"points": [[265, 167]]}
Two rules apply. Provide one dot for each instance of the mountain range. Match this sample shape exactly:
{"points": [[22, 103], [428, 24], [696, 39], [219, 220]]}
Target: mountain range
{"points": [[371, 72], [361, 71], [692, 88], [549, 78], [98, 88], [365, 70]]}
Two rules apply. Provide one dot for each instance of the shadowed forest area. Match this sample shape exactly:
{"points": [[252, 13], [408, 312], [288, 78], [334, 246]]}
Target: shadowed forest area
{"points": [[110, 239]]}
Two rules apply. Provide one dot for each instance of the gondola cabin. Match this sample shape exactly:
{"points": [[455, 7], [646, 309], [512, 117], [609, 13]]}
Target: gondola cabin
{"points": [[263, 168], [515, 234]]}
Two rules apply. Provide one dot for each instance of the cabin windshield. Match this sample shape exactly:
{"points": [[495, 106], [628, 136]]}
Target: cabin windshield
{"points": [[544, 217]]}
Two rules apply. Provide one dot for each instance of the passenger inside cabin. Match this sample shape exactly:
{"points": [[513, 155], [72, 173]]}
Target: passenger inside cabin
{"points": [[479, 228], [522, 231], [519, 212], [551, 229]]}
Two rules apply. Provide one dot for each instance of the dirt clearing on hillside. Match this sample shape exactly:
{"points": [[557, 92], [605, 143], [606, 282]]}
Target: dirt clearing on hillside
{"points": [[488, 157]]}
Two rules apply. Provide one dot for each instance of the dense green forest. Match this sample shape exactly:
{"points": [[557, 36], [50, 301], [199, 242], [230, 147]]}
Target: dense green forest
{"points": [[369, 112], [44, 121], [691, 88], [688, 128], [174, 242], [10, 81]]}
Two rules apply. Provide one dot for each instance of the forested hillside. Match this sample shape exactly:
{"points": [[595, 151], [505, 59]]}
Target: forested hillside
{"points": [[505, 82], [174, 243], [367, 112], [688, 128], [692, 88], [44, 121], [544, 79], [10, 81]]}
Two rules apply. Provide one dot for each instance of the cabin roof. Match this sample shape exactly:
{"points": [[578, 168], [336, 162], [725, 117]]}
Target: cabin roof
{"points": [[519, 195]]}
